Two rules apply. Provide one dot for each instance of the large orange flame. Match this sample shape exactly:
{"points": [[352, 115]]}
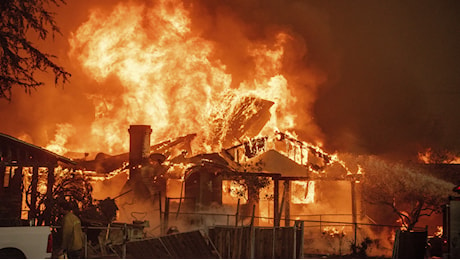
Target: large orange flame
{"points": [[168, 76]]}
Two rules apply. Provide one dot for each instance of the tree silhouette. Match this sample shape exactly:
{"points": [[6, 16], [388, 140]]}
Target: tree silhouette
{"points": [[19, 58], [405, 189]]}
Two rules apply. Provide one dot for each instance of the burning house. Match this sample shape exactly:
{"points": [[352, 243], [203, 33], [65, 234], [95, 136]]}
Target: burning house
{"points": [[267, 181], [279, 175], [22, 165]]}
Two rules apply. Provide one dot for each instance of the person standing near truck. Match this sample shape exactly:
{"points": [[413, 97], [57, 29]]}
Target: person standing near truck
{"points": [[72, 234]]}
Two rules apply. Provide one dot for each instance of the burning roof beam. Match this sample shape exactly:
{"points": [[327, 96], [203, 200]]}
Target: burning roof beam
{"points": [[104, 163], [246, 118]]}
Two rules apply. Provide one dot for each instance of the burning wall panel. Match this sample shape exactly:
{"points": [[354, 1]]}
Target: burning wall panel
{"points": [[232, 191], [302, 192]]}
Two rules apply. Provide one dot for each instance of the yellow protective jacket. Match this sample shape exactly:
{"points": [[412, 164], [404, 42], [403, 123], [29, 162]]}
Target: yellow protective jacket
{"points": [[72, 235]]}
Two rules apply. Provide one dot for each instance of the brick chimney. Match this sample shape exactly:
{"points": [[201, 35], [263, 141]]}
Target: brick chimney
{"points": [[139, 147]]}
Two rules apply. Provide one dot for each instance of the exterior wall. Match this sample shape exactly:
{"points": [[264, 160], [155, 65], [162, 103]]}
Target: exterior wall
{"points": [[205, 187]]}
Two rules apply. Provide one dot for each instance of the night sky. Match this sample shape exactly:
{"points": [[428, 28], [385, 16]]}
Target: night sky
{"points": [[391, 71], [395, 88]]}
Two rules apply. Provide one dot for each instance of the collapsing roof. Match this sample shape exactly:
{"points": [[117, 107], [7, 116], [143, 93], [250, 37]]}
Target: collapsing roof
{"points": [[260, 157], [235, 137]]}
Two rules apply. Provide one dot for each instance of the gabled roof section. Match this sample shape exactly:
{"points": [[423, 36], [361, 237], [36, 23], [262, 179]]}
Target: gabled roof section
{"points": [[14, 151], [274, 162]]}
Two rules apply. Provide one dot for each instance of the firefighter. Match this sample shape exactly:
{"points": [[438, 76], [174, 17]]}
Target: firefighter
{"points": [[72, 234]]}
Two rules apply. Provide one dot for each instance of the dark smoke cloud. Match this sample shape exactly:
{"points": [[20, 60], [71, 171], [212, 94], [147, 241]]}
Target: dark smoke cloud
{"points": [[397, 88], [388, 70]]}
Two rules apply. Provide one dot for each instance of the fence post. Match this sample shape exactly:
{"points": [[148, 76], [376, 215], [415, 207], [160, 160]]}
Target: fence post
{"points": [[253, 242], [125, 239], [276, 220], [302, 227], [274, 243], [353, 211], [294, 244], [166, 217], [161, 209], [237, 213], [251, 233]]}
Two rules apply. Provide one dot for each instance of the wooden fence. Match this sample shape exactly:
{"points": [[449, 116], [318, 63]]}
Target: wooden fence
{"points": [[258, 242], [186, 245]]}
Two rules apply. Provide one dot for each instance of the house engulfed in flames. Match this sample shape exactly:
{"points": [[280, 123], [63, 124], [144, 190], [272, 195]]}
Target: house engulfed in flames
{"points": [[271, 180], [264, 179]]}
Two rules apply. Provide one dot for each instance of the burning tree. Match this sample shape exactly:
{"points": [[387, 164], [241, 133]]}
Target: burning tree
{"points": [[19, 57], [406, 189]]}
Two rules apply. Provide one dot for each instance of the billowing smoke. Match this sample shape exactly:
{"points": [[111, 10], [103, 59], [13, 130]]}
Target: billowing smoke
{"points": [[396, 87], [364, 77]]}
